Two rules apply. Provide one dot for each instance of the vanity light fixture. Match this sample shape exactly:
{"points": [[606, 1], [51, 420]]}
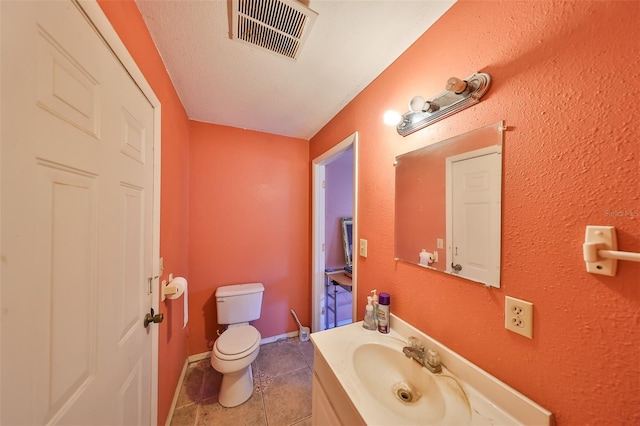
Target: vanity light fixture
{"points": [[459, 94]]}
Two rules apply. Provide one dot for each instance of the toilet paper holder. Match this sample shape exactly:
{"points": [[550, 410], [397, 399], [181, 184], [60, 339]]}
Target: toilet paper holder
{"points": [[174, 290], [169, 289]]}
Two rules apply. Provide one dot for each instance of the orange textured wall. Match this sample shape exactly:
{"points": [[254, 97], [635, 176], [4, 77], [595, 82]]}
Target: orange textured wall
{"points": [[127, 21], [249, 222], [565, 80]]}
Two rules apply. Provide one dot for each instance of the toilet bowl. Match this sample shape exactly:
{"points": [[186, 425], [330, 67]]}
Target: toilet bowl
{"points": [[232, 355]]}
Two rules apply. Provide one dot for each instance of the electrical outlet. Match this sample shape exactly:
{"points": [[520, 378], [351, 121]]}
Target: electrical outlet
{"points": [[363, 247], [518, 316]]}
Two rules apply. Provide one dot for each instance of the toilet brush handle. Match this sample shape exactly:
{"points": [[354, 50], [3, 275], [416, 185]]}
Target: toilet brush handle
{"points": [[296, 318]]}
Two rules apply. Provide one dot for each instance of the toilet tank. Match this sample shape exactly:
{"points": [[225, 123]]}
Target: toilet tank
{"points": [[239, 302]]}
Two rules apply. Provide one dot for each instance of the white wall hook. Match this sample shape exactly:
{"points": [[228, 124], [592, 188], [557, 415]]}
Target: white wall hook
{"points": [[600, 250]]}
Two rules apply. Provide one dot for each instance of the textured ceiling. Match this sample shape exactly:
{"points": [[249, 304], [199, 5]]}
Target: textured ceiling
{"points": [[223, 81]]}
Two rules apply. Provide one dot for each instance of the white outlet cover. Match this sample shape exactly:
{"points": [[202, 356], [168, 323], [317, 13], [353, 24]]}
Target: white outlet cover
{"points": [[518, 316]]}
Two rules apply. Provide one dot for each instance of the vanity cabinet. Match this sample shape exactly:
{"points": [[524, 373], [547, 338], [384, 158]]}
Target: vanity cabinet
{"points": [[330, 403], [322, 412]]}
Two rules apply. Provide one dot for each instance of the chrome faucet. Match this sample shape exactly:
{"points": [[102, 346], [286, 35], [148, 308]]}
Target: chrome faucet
{"points": [[429, 359]]}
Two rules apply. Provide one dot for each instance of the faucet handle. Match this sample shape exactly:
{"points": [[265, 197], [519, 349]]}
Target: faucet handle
{"points": [[415, 343], [433, 358]]}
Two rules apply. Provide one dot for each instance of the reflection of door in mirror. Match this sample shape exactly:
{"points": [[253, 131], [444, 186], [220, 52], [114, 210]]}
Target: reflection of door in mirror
{"points": [[423, 206], [473, 215]]}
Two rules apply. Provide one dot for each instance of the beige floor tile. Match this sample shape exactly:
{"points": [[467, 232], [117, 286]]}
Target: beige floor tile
{"points": [[211, 381], [304, 422], [280, 357], [249, 413], [191, 386], [185, 416], [306, 348], [282, 376], [288, 399]]}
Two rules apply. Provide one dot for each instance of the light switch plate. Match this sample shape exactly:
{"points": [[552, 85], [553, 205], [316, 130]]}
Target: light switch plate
{"points": [[363, 247]]}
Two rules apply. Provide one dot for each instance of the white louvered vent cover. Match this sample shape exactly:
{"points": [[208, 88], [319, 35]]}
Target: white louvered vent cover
{"points": [[279, 26]]}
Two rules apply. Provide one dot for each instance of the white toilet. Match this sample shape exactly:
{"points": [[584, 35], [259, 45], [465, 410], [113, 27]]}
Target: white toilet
{"points": [[238, 346]]}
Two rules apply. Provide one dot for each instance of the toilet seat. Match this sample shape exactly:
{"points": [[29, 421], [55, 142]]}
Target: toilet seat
{"points": [[237, 342]]}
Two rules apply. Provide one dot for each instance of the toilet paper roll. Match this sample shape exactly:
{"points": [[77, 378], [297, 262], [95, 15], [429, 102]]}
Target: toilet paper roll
{"points": [[182, 290]]}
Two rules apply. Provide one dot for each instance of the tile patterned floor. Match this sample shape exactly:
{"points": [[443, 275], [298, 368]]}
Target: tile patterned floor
{"points": [[282, 390]]}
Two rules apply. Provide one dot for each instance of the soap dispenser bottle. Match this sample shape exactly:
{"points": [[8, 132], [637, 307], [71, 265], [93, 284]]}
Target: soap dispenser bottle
{"points": [[369, 321], [375, 306]]}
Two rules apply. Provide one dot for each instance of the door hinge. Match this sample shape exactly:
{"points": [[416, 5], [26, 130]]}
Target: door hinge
{"points": [[150, 281]]}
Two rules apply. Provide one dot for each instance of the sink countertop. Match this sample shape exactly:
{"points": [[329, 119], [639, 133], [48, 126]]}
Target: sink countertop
{"points": [[492, 401]]}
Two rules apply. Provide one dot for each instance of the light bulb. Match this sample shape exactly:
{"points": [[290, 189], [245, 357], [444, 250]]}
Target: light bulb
{"points": [[392, 118], [455, 85], [416, 104]]}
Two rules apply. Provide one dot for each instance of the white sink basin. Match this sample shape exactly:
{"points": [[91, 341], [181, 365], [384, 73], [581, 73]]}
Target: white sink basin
{"points": [[370, 381], [405, 389]]}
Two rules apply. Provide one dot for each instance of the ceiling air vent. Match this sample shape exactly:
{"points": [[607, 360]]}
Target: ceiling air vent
{"points": [[279, 26]]}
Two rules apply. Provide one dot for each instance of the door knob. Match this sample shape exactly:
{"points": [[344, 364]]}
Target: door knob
{"points": [[457, 267], [151, 318]]}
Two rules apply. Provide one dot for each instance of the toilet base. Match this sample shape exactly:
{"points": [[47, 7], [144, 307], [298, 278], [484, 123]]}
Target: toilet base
{"points": [[236, 387]]}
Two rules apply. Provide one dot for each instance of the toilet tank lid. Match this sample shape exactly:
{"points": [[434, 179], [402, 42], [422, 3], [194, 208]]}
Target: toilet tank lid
{"points": [[239, 289]]}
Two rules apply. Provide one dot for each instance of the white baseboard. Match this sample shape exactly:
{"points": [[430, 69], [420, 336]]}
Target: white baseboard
{"points": [[199, 357], [176, 394], [279, 337]]}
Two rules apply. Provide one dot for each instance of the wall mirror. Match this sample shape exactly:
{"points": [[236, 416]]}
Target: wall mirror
{"points": [[448, 205], [346, 223]]}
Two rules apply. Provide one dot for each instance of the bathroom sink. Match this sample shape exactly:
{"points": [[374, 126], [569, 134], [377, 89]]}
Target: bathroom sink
{"points": [[362, 377], [407, 391]]}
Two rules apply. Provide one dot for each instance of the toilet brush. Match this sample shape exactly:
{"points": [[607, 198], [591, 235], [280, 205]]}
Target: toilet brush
{"points": [[303, 331]]}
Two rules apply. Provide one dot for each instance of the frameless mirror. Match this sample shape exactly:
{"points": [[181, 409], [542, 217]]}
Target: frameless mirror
{"points": [[346, 224], [448, 205]]}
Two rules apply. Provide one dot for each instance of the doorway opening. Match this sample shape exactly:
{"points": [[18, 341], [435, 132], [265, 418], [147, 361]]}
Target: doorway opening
{"points": [[319, 265]]}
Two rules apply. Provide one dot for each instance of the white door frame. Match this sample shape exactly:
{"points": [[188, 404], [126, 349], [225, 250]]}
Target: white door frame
{"points": [[318, 221], [108, 33]]}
